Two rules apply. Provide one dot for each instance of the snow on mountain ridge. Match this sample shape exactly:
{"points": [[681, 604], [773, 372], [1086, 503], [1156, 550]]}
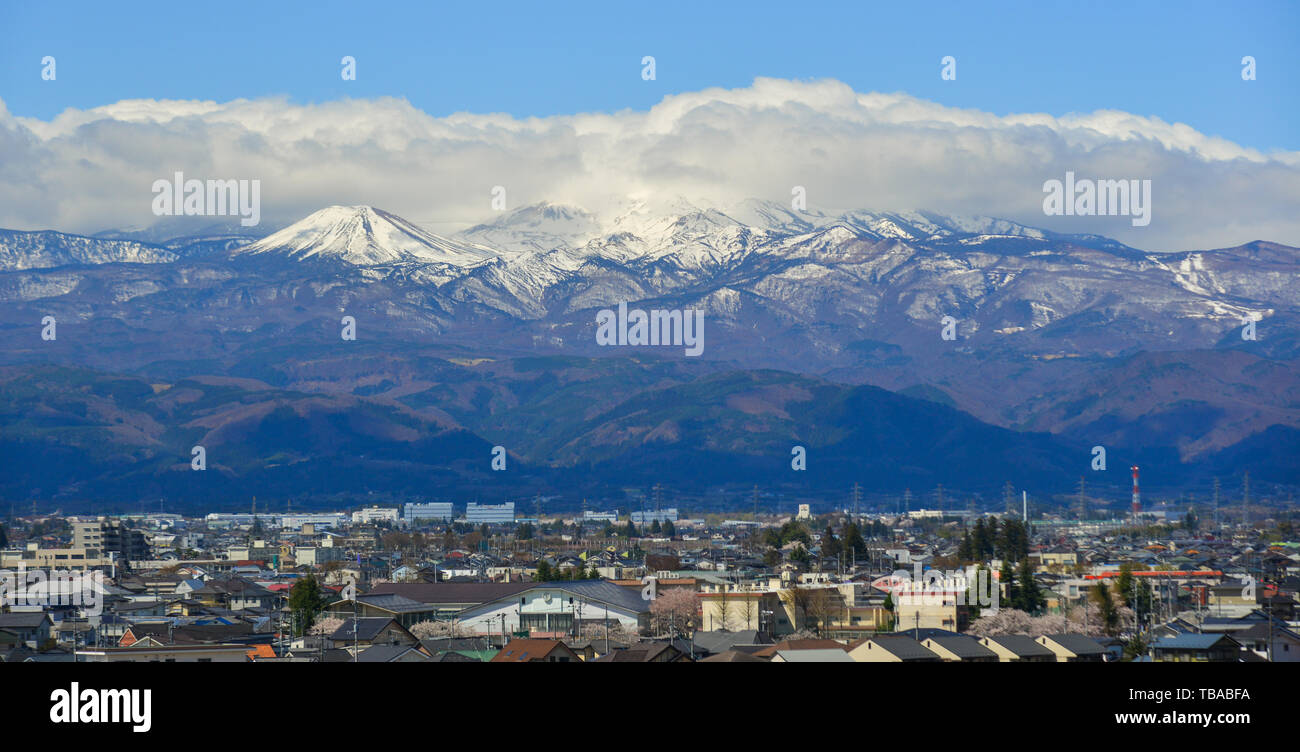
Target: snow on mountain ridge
{"points": [[366, 236]]}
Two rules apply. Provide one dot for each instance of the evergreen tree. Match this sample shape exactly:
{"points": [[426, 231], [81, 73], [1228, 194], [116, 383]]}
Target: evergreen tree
{"points": [[629, 531], [305, 602], [1124, 583], [831, 547], [981, 541], [543, 573], [655, 528], [1007, 581], [1106, 608], [669, 528], [1031, 598], [4, 539], [853, 541], [965, 552]]}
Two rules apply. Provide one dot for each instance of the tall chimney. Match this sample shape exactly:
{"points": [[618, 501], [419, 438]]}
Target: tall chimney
{"points": [[1137, 496]]}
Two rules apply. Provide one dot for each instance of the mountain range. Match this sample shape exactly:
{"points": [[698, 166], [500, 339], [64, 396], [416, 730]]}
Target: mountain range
{"points": [[820, 329]]}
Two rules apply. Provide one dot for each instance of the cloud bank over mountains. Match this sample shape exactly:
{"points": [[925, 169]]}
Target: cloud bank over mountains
{"points": [[89, 170]]}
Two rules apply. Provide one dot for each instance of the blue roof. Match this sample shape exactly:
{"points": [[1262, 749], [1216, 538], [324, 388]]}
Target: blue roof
{"points": [[1189, 641]]}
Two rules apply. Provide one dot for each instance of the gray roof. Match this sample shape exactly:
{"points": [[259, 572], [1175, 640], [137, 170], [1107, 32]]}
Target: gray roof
{"points": [[600, 591], [385, 653], [904, 647], [828, 655], [720, 642], [1077, 643], [964, 647], [392, 603], [452, 592], [368, 627], [1022, 645], [23, 619]]}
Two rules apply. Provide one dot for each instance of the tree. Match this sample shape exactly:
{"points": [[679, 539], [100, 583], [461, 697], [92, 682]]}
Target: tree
{"points": [[722, 617], [1191, 521], [1031, 598], [629, 530], [327, 625], [1136, 647], [772, 558], [1107, 613], [524, 531], [798, 600], [4, 539], [1007, 581], [1124, 582], [831, 547], [800, 555], [823, 606], [305, 602], [748, 608], [669, 529], [543, 573], [981, 542], [425, 630], [655, 527], [674, 610], [853, 541], [966, 550]]}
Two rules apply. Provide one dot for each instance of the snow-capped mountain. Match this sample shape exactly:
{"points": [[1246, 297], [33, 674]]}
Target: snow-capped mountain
{"points": [[47, 249], [364, 236], [856, 297]]}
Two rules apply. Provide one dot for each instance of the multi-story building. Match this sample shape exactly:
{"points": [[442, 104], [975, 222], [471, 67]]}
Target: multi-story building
{"points": [[661, 515], [490, 513], [106, 535], [375, 514], [434, 510]]}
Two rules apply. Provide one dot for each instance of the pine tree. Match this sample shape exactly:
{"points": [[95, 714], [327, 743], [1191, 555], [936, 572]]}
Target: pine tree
{"points": [[1031, 598], [655, 528], [1007, 580], [305, 603], [1106, 608], [629, 531], [979, 541], [669, 528], [831, 547], [965, 552], [1124, 583]]}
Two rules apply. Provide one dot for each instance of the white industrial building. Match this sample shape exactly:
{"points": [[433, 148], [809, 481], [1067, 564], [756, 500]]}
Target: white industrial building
{"points": [[435, 510], [661, 515], [490, 513]]}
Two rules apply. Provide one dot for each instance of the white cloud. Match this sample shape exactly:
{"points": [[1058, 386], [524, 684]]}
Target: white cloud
{"points": [[87, 170]]}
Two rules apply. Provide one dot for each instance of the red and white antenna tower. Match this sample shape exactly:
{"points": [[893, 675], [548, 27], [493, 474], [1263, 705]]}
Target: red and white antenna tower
{"points": [[1137, 497]]}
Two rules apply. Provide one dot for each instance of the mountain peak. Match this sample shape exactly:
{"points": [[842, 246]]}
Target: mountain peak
{"points": [[365, 236]]}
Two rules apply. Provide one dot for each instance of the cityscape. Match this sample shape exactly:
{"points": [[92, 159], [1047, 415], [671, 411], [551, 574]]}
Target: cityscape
{"points": [[673, 333], [438, 581]]}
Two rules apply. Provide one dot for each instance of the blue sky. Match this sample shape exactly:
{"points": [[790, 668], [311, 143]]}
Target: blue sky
{"points": [[1179, 62]]}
